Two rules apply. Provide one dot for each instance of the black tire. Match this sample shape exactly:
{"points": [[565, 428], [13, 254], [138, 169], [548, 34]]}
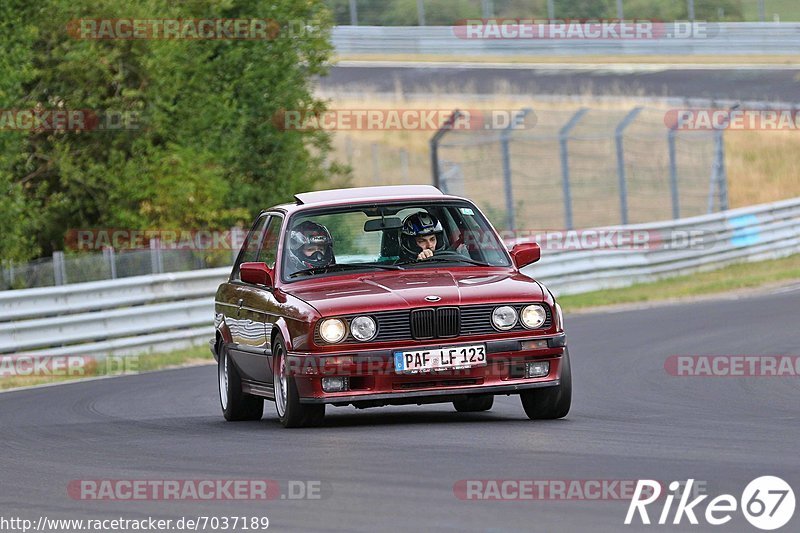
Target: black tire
{"points": [[550, 403], [236, 405], [474, 403], [291, 413]]}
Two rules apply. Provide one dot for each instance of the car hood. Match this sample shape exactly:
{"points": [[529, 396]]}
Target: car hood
{"points": [[383, 291]]}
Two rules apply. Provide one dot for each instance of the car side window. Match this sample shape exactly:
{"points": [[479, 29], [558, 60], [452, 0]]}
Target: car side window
{"points": [[269, 252], [252, 245]]}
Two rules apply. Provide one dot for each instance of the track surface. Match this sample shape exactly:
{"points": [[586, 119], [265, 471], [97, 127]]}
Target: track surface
{"points": [[735, 83], [393, 469]]}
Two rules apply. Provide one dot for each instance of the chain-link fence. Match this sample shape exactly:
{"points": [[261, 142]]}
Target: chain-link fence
{"points": [[562, 168], [585, 168], [447, 12], [78, 267]]}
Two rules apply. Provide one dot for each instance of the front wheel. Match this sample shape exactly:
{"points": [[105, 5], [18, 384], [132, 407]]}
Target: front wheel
{"points": [[551, 402], [235, 404], [291, 412]]}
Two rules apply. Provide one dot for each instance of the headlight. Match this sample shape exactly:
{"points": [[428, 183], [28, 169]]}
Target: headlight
{"points": [[332, 330], [363, 328], [533, 316], [504, 317]]}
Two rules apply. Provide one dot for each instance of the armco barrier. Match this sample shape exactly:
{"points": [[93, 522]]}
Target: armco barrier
{"points": [[724, 38], [169, 311]]}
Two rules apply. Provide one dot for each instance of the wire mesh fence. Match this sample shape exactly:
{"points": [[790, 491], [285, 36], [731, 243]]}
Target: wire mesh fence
{"points": [[80, 267], [562, 168]]}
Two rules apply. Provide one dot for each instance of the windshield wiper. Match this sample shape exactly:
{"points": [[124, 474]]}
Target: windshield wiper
{"points": [[445, 259], [343, 266]]}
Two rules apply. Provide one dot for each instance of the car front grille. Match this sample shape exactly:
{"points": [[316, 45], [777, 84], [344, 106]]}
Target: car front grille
{"points": [[435, 323]]}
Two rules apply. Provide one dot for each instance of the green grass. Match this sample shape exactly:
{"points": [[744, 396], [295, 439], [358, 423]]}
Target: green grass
{"points": [[117, 366], [733, 277]]}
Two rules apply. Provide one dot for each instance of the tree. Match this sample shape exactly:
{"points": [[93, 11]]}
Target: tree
{"points": [[200, 150]]}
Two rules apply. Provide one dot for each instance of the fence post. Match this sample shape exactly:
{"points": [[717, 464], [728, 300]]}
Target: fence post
{"points": [[505, 136], [551, 10], [421, 12], [353, 13], [620, 12], [404, 165], [721, 172], [673, 175], [690, 9], [59, 269], [108, 255], [563, 137], [156, 260], [376, 166], [487, 8], [434, 145], [623, 185]]}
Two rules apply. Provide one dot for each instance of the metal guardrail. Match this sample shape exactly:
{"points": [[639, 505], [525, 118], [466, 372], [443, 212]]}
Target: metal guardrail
{"points": [[747, 234], [169, 311], [724, 38]]}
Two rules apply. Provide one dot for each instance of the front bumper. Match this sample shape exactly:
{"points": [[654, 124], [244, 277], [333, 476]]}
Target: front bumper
{"points": [[373, 380]]}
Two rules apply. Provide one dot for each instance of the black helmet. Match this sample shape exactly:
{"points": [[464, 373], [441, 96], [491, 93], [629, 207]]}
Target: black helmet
{"points": [[420, 224], [307, 233]]}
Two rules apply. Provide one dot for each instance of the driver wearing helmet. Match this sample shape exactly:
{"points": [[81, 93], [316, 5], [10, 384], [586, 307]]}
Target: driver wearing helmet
{"points": [[421, 236], [311, 246]]}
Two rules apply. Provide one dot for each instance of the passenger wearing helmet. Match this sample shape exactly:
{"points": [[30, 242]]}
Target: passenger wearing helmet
{"points": [[421, 236], [311, 246]]}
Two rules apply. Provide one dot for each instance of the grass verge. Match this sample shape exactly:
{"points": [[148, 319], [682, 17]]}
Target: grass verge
{"points": [[730, 278], [112, 366]]}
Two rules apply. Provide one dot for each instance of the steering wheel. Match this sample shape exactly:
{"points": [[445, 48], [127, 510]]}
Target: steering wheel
{"points": [[446, 253]]}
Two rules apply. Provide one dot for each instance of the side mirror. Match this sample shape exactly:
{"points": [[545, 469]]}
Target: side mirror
{"points": [[525, 254], [256, 273]]}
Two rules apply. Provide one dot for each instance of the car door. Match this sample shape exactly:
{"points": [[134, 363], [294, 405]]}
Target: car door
{"points": [[257, 308]]}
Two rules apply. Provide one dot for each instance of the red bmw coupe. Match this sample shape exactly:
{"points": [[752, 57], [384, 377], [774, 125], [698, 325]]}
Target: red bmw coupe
{"points": [[385, 296]]}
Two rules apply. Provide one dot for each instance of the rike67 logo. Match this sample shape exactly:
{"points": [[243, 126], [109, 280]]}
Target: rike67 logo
{"points": [[767, 503]]}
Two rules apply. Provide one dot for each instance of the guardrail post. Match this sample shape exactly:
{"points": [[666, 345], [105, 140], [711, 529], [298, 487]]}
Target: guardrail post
{"points": [[673, 175], [623, 185], [563, 137], [434, 145], [108, 255], [59, 269], [156, 259], [505, 136]]}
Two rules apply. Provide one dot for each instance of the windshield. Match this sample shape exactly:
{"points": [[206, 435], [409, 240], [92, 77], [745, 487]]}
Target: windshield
{"points": [[389, 237]]}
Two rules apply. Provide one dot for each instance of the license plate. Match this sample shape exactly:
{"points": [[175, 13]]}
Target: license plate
{"points": [[451, 357]]}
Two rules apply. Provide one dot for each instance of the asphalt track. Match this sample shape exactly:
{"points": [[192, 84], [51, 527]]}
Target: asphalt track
{"points": [[394, 469], [736, 83]]}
